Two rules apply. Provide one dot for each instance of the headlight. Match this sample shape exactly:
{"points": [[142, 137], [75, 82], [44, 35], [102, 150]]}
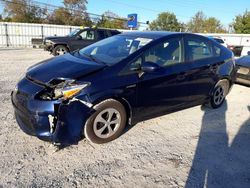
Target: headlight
{"points": [[62, 89], [48, 41], [69, 91]]}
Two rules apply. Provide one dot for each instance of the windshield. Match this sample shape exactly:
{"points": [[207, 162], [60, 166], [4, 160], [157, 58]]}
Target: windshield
{"points": [[72, 33], [114, 49]]}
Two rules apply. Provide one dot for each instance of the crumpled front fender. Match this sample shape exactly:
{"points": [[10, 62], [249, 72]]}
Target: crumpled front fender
{"points": [[70, 121]]}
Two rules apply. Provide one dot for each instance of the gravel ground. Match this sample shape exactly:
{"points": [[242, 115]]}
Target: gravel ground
{"points": [[194, 148]]}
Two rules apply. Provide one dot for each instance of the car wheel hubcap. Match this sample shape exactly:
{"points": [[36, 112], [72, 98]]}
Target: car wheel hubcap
{"points": [[61, 51], [219, 95], [107, 122]]}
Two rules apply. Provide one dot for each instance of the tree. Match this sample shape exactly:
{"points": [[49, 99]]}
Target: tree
{"points": [[201, 24], [75, 5], [23, 11], [165, 21], [196, 24], [73, 13], [241, 23], [60, 16], [111, 20], [212, 25], [77, 10]]}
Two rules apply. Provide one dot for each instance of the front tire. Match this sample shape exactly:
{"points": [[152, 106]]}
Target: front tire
{"points": [[60, 50], [107, 123]]}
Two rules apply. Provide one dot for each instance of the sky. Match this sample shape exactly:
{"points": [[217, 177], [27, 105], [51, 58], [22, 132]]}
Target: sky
{"points": [[147, 10]]}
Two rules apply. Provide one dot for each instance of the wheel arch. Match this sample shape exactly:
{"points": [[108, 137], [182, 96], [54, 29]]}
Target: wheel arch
{"points": [[123, 101], [63, 44], [127, 107], [222, 79]]}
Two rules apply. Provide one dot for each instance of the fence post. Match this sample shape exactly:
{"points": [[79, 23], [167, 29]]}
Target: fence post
{"points": [[42, 31], [6, 34]]}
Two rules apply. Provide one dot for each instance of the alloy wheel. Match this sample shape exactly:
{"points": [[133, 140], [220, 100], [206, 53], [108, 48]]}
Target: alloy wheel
{"points": [[219, 95], [107, 122], [61, 51]]}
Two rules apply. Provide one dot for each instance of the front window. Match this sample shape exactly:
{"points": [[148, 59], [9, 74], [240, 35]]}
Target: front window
{"points": [[88, 35], [114, 49], [165, 53]]}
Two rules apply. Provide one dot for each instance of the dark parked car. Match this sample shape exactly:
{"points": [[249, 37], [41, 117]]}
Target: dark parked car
{"points": [[121, 80], [77, 39], [243, 70]]}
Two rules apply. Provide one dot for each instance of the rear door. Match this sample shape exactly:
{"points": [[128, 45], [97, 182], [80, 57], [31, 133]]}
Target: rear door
{"points": [[201, 56]]}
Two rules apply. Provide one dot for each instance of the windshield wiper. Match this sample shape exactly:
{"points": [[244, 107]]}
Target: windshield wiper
{"points": [[93, 58]]}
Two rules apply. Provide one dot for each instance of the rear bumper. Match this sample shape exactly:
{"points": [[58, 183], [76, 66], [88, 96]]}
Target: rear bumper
{"points": [[243, 79]]}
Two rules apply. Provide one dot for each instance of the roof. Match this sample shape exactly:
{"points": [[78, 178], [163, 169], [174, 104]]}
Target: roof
{"points": [[98, 28], [148, 34]]}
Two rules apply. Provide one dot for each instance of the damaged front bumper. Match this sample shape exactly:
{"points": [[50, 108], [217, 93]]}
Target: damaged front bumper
{"points": [[48, 47], [58, 121]]}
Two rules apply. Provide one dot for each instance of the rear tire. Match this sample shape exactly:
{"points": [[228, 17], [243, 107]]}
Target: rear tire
{"points": [[60, 50], [107, 123], [219, 93]]}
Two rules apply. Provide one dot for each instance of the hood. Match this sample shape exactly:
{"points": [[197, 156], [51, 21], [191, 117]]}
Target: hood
{"points": [[243, 61], [57, 38], [65, 66]]}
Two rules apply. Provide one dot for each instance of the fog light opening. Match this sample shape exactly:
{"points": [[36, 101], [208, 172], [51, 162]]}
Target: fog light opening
{"points": [[52, 123]]}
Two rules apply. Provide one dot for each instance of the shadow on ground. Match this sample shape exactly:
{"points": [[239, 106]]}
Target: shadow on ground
{"points": [[215, 163]]}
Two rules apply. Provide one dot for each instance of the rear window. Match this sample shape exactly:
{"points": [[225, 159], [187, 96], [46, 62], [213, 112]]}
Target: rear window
{"points": [[217, 51], [197, 49], [114, 32], [102, 34]]}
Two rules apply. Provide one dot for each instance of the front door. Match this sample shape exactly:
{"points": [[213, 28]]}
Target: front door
{"points": [[83, 39], [165, 89]]}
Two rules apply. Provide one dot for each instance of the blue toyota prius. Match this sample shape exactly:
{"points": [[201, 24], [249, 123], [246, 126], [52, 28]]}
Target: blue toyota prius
{"points": [[119, 81]]}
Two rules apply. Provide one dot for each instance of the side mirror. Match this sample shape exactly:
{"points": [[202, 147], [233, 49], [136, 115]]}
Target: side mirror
{"points": [[248, 53], [78, 37], [149, 66]]}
